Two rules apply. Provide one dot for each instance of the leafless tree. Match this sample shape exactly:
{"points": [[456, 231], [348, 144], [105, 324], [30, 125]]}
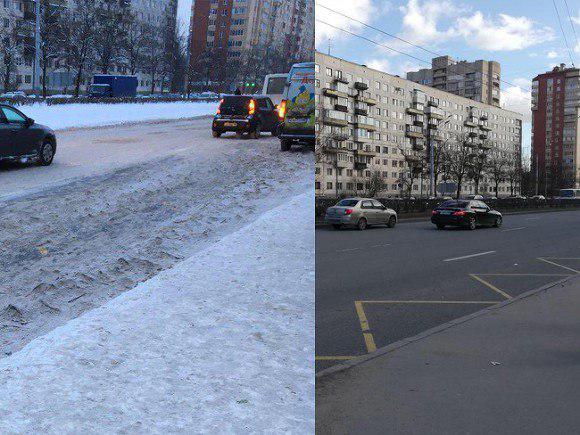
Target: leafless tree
{"points": [[111, 33], [78, 39], [460, 160], [52, 38], [153, 53], [377, 182], [497, 167], [513, 172], [10, 50]]}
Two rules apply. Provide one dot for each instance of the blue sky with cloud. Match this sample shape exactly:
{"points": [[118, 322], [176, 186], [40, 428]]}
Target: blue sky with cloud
{"points": [[523, 35]]}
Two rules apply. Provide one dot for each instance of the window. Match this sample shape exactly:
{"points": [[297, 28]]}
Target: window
{"points": [[12, 116]]}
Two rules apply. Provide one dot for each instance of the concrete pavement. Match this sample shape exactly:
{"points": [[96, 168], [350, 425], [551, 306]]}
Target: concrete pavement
{"points": [[513, 368]]}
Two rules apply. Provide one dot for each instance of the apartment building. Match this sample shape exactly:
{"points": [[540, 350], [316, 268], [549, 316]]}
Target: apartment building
{"points": [[555, 129], [20, 14], [478, 80], [370, 122], [223, 31]]}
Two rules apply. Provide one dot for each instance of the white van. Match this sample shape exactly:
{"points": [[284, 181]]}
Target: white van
{"points": [[274, 87]]}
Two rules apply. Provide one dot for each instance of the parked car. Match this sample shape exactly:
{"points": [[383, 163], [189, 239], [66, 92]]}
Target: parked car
{"points": [[539, 197], [465, 213], [22, 139], [478, 197], [360, 213], [241, 114]]}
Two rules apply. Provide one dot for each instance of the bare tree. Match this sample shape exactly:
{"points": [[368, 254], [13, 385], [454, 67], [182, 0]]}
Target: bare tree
{"points": [[513, 172], [153, 53], [111, 33], [78, 38], [10, 50], [497, 167], [377, 182], [477, 168], [460, 160], [51, 38]]}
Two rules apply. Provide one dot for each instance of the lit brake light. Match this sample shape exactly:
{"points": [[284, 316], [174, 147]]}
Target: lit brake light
{"points": [[348, 211], [459, 213], [220, 106], [252, 107], [435, 212], [282, 110]]}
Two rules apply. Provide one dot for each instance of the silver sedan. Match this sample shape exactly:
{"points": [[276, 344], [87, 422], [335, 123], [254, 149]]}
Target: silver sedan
{"points": [[360, 213]]}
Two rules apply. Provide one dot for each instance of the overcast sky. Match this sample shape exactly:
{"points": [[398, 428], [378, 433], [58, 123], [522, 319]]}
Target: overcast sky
{"points": [[184, 13]]}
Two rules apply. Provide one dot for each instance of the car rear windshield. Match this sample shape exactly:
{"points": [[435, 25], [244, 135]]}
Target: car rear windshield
{"points": [[454, 204], [235, 105], [347, 203]]}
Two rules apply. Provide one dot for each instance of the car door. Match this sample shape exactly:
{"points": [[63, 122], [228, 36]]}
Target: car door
{"points": [[381, 212], [368, 211], [480, 210], [22, 137], [489, 218], [6, 146], [272, 113], [265, 113]]}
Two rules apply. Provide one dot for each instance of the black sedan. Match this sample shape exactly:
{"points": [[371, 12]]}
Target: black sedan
{"points": [[252, 114], [21, 139], [465, 213]]}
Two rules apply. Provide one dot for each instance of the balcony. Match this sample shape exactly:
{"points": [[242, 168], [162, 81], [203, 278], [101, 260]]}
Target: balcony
{"points": [[361, 111], [329, 92], [341, 80], [434, 112], [413, 131], [483, 135], [362, 137], [418, 120], [433, 102], [484, 126], [471, 122], [361, 86], [472, 134], [365, 150], [341, 107], [436, 135], [486, 146], [360, 165], [419, 146], [365, 125], [335, 118], [484, 117], [367, 100]]}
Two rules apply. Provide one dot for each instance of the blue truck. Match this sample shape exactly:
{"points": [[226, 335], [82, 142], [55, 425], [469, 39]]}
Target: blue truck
{"points": [[112, 86]]}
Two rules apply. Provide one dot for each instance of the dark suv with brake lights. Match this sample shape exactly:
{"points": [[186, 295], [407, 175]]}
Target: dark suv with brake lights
{"points": [[22, 139], [241, 114], [465, 213]]}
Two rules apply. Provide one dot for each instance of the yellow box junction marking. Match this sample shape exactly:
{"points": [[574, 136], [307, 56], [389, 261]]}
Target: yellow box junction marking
{"points": [[545, 260], [364, 324], [491, 286]]}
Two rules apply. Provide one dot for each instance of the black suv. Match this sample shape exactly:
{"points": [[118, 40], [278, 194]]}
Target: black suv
{"points": [[241, 114], [22, 139]]}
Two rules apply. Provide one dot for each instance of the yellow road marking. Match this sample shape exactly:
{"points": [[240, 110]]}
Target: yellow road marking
{"points": [[559, 265], [370, 342], [491, 286], [433, 302], [364, 324], [333, 358]]}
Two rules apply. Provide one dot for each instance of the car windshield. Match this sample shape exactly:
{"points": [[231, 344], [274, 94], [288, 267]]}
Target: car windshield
{"points": [[347, 203], [454, 204]]}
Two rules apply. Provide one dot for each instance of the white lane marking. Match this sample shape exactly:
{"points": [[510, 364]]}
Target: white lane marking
{"points": [[360, 249], [348, 250], [533, 219], [380, 246], [513, 229], [470, 256]]}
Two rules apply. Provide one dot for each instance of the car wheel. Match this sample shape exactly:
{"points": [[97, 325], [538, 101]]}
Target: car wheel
{"points": [[440, 226], [498, 222], [257, 132], [216, 133], [46, 153], [472, 225], [362, 224], [285, 145], [336, 226], [392, 222]]}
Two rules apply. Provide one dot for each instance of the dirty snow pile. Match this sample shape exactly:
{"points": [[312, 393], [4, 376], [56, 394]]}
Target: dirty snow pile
{"points": [[223, 342], [62, 116]]}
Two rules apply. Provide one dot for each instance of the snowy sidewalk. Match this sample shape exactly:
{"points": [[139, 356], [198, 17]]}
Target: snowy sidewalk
{"points": [[221, 343]]}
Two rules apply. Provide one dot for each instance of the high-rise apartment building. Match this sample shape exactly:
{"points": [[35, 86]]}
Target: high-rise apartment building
{"points": [[555, 129], [370, 123], [223, 32], [478, 80]]}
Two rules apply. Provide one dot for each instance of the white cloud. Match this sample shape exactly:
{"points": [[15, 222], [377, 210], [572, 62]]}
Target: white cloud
{"points": [[394, 68], [363, 11], [518, 98], [577, 48], [507, 33], [577, 19], [552, 55], [420, 21]]}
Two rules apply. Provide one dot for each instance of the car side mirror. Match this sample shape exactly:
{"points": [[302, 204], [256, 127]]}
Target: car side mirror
{"points": [[29, 122]]}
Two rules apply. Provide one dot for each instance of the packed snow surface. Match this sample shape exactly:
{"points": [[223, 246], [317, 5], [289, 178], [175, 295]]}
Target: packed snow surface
{"points": [[62, 116], [221, 343]]}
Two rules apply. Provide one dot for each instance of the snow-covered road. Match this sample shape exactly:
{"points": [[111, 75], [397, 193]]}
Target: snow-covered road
{"points": [[123, 204], [222, 343]]}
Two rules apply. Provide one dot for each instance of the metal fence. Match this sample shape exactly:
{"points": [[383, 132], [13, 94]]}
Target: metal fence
{"points": [[424, 206]]}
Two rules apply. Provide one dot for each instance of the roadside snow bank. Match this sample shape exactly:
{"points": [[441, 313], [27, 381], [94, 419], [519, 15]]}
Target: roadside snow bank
{"points": [[223, 342], [61, 116]]}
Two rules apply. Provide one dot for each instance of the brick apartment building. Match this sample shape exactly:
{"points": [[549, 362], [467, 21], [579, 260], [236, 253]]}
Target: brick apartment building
{"points": [[369, 122], [223, 32], [555, 129], [478, 80]]}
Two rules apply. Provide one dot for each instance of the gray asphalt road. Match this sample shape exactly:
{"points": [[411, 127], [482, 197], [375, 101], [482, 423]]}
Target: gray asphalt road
{"points": [[376, 287]]}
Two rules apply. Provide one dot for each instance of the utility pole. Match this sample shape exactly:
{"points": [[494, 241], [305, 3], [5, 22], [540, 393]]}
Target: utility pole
{"points": [[36, 68]]}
